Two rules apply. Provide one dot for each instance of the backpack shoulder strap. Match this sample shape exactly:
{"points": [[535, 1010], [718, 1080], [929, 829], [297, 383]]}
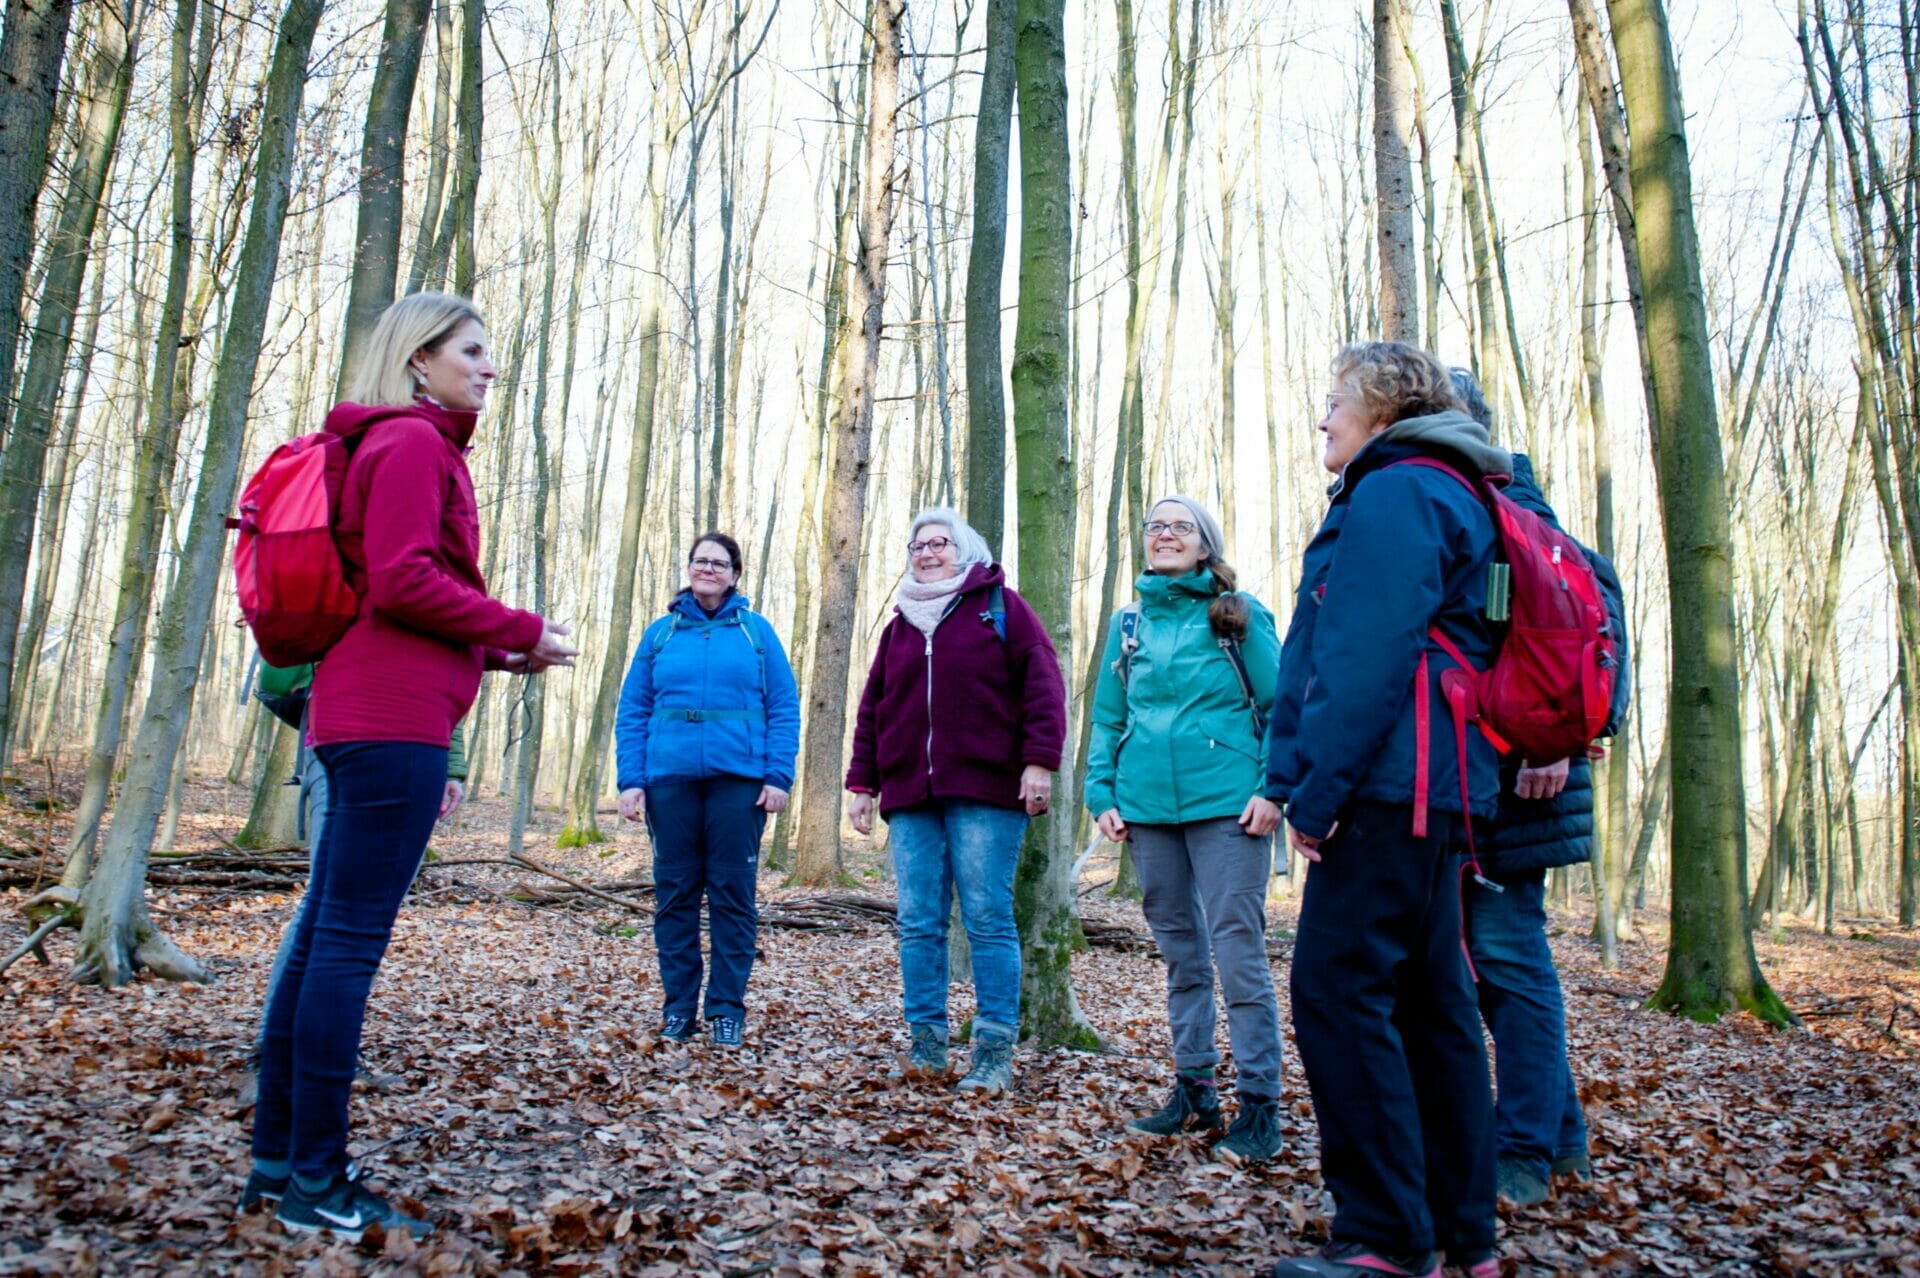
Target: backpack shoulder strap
{"points": [[1129, 641], [661, 639], [997, 612], [1237, 658]]}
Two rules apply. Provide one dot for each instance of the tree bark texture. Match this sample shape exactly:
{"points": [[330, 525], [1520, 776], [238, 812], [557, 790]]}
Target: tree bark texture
{"points": [[1045, 899], [986, 264], [1711, 968], [817, 861], [117, 935], [1393, 179]]}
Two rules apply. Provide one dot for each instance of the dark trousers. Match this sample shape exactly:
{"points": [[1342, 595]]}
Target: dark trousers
{"points": [[1388, 1028], [1536, 1111], [382, 799], [706, 845]]}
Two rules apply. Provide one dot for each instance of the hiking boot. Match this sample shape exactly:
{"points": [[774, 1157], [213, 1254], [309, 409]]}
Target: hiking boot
{"points": [[1576, 1164], [675, 1028], [1255, 1134], [346, 1208], [1481, 1263], [927, 1058], [1194, 1106], [262, 1188], [726, 1030], [992, 1070], [1520, 1181], [1351, 1260]]}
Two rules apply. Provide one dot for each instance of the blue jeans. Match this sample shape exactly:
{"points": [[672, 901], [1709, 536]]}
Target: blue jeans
{"points": [[973, 848], [383, 799], [1537, 1106], [706, 844], [313, 819]]}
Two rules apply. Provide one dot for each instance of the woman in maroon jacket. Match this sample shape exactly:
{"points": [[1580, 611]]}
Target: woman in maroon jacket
{"points": [[959, 734], [383, 707]]}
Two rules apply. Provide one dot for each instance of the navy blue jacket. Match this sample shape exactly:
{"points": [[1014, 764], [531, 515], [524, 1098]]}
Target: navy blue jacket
{"points": [[1532, 835], [700, 701], [1402, 549]]}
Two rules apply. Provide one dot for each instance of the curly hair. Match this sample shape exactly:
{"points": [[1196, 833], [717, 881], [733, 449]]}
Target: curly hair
{"points": [[1395, 380]]}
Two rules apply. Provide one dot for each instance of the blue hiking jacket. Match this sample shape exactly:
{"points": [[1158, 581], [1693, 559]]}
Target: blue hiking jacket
{"points": [[1532, 835], [1402, 549], [700, 701]]}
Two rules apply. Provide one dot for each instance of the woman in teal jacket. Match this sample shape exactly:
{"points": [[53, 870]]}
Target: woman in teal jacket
{"points": [[1177, 768]]}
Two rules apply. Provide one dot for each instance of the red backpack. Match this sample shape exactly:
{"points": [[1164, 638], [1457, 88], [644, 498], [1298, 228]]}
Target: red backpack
{"points": [[287, 570], [1549, 690]]}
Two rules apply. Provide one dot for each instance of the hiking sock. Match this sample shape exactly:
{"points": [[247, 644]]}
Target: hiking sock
{"points": [[273, 1168]]}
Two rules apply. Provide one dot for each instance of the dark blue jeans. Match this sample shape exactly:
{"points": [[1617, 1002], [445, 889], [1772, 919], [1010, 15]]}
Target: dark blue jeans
{"points": [[706, 845], [1537, 1114], [382, 799], [1388, 1028]]}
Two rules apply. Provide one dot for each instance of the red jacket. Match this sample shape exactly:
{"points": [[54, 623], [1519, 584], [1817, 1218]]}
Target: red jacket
{"points": [[409, 533]]}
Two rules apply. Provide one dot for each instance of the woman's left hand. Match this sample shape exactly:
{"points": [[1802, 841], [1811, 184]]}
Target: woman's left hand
{"points": [[1261, 816], [772, 798], [450, 798], [1036, 788]]}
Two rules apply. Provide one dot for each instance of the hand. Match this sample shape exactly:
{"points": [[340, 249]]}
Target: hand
{"points": [[1261, 816], [772, 798], [552, 650], [1543, 782], [1111, 825], [1308, 846], [1036, 788], [450, 797], [860, 812], [633, 804]]}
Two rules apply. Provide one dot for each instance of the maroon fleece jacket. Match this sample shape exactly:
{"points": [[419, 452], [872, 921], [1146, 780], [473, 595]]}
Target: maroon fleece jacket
{"points": [[993, 707], [409, 533]]}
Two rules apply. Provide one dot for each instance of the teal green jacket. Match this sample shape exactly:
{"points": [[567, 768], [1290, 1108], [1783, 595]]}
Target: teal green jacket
{"points": [[1176, 742]]}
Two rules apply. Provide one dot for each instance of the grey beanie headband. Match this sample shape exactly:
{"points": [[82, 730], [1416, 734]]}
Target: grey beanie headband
{"points": [[1212, 540]]}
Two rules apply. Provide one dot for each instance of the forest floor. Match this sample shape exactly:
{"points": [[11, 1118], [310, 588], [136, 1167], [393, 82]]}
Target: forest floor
{"points": [[520, 1099]]}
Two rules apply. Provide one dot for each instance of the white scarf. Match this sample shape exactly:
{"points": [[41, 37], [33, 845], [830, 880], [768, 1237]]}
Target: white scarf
{"points": [[924, 603]]}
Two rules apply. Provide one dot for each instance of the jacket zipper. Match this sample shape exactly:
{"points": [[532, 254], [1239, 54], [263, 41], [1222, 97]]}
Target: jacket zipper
{"points": [[951, 605]]}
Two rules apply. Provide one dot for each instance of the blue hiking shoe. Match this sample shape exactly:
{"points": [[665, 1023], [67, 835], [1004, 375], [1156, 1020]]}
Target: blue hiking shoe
{"points": [[675, 1028], [726, 1031]]}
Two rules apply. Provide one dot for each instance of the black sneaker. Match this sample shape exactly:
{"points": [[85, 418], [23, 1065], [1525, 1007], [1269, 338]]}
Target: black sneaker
{"points": [[726, 1031], [1255, 1134], [262, 1188], [1350, 1260], [1193, 1107], [675, 1028], [347, 1209]]}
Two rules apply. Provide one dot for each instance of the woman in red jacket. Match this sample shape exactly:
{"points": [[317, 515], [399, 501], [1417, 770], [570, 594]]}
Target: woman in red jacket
{"points": [[383, 708]]}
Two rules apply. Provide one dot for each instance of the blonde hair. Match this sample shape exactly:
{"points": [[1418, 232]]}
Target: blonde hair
{"points": [[420, 322], [1395, 380]]}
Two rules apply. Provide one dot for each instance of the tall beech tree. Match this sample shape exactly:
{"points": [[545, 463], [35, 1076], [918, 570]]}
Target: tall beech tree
{"points": [[986, 263]]}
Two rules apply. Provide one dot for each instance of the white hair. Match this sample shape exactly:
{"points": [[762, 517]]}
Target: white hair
{"points": [[969, 547]]}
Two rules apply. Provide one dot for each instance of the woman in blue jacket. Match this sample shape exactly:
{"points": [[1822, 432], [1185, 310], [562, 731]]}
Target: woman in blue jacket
{"points": [[709, 724], [1364, 758]]}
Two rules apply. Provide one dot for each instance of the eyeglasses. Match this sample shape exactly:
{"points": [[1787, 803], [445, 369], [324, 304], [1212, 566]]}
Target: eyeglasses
{"points": [[937, 545], [1179, 528], [711, 565], [1334, 402]]}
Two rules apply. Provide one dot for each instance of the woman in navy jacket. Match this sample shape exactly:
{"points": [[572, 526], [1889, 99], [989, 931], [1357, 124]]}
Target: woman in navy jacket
{"points": [[1364, 757], [708, 727]]}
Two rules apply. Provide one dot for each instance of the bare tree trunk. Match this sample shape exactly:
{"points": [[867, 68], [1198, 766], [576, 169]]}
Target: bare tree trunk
{"points": [[32, 49], [1711, 968], [1393, 178], [466, 174], [117, 934], [434, 208], [383, 158], [818, 861], [986, 264], [109, 80], [1046, 899]]}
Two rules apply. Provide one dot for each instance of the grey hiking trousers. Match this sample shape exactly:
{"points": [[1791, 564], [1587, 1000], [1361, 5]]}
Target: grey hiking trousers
{"points": [[1205, 884]]}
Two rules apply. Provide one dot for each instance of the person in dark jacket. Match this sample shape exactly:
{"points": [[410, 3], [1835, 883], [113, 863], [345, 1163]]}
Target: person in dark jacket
{"points": [[959, 733], [384, 704], [708, 727], [1545, 821], [1363, 757]]}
